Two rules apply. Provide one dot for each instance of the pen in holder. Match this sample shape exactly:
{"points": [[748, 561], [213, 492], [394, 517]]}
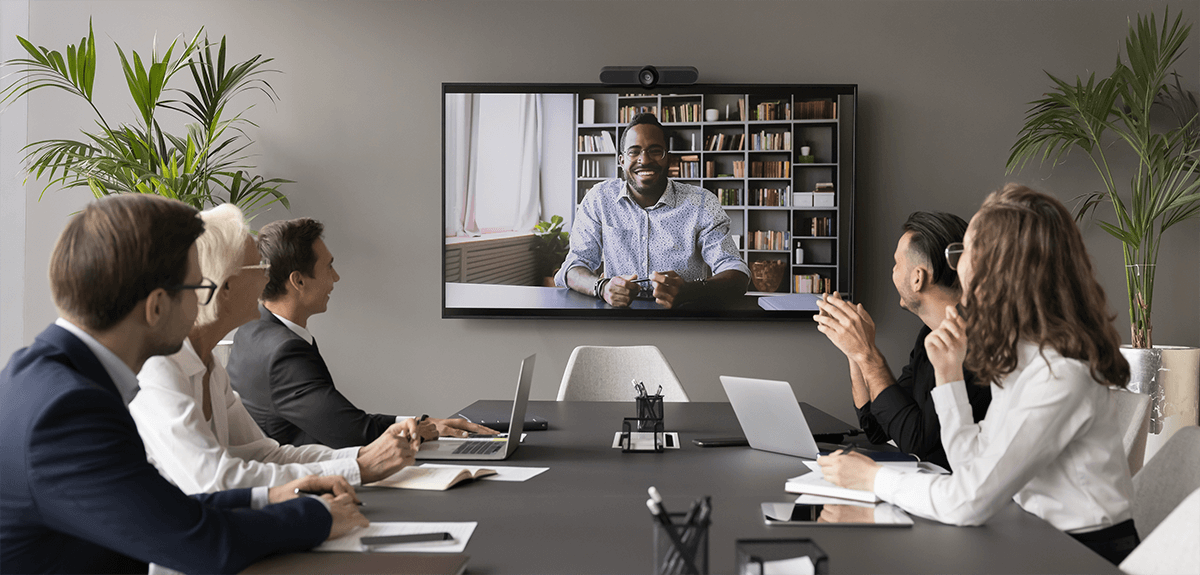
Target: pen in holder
{"points": [[680, 539], [761, 556], [649, 412]]}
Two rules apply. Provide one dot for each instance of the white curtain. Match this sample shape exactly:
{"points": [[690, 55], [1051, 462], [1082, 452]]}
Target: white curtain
{"points": [[462, 144], [493, 162]]}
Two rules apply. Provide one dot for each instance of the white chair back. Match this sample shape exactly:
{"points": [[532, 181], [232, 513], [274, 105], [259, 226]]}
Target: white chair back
{"points": [[1169, 476], [1173, 547], [1133, 410], [599, 373]]}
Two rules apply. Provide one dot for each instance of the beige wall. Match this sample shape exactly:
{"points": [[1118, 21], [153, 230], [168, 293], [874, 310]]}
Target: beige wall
{"points": [[943, 89]]}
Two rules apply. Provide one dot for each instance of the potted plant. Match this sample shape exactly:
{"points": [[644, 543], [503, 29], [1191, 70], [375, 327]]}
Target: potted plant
{"points": [[1103, 118], [204, 166], [550, 247]]}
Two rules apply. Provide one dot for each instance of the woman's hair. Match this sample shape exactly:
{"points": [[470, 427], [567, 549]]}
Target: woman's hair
{"points": [[222, 249], [1037, 285]]}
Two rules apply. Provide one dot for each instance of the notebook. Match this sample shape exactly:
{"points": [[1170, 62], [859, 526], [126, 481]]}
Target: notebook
{"points": [[488, 447], [770, 416]]}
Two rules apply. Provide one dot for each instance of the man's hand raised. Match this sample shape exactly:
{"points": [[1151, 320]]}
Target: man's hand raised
{"points": [[847, 325]]}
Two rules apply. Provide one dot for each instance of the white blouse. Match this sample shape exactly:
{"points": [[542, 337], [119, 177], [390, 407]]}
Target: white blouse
{"points": [[228, 451], [1051, 441]]}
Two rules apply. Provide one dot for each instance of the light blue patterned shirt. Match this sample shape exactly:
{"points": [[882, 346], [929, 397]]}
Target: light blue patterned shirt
{"points": [[686, 231]]}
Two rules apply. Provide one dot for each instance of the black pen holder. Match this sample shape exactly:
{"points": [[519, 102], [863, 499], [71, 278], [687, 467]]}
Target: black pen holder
{"points": [[692, 557], [649, 411], [633, 438], [754, 555]]}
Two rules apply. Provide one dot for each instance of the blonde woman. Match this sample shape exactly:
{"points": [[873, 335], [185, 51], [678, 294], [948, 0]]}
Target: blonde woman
{"points": [[196, 430]]}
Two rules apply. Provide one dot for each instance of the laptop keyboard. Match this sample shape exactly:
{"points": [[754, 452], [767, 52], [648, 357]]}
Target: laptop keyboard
{"points": [[479, 447]]}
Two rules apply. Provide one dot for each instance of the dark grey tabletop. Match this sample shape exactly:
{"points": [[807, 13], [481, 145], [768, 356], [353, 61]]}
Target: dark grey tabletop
{"points": [[587, 513]]}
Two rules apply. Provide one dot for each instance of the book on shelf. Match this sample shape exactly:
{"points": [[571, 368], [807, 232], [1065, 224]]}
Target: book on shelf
{"points": [[688, 167], [777, 197], [761, 169], [769, 240], [601, 142], [773, 110], [681, 113], [820, 226], [626, 113], [811, 283], [824, 187], [816, 110], [729, 196], [741, 109], [771, 141], [739, 168], [432, 478]]}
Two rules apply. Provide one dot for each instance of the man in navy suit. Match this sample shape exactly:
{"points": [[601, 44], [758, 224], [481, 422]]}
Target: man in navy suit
{"points": [[76, 491], [275, 365]]}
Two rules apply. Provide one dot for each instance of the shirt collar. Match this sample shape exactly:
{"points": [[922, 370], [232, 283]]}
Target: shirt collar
{"points": [[188, 360], [300, 331], [667, 199], [123, 377]]}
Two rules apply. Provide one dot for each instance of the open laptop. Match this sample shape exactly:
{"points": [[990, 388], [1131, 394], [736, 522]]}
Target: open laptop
{"points": [[770, 416], [495, 447]]}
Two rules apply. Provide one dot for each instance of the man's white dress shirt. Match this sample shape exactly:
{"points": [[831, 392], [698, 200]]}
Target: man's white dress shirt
{"points": [[1051, 441], [228, 450]]}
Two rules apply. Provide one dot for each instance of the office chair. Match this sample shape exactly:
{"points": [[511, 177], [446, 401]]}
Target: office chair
{"points": [[1173, 547], [1167, 478], [1133, 410], [597, 373]]}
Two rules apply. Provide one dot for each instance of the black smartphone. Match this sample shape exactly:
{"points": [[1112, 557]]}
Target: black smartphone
{"points": [[410, 538], [721, 441]]}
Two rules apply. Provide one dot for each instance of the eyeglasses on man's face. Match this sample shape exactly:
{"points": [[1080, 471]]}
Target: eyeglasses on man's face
{"points": [[954, 253], [653, 153], [204, 290]]}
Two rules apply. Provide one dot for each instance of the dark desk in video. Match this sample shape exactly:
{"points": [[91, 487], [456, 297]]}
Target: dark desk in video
{"points": [[587, 514]]}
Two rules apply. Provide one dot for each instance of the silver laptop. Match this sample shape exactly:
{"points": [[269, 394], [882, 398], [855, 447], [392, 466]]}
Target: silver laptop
{"points": [[488, 447], [770, 416]]}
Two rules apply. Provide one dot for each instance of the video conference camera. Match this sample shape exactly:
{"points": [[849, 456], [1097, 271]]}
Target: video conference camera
{"points": [[649, 76]]}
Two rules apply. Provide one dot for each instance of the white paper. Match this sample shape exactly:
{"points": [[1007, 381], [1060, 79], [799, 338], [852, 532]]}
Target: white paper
{"points": [[644, 440], [503, 473], [353, 541], [794, 566]]}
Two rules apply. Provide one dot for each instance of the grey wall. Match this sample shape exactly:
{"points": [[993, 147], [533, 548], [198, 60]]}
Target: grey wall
{"points": [[943, 88]]}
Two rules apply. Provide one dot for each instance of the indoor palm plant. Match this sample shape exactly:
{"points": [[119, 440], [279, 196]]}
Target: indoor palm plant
{"points": [[1110, 117], [203, 166]]}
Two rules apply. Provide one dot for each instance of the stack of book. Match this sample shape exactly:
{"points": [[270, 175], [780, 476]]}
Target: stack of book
{"points": [[771, 141], [681, 113], [811, 283], [729, 196], [601, 142], [776, 110], [719, 142], [759, 169], [769, 196], [769, 240], [626, 113], [816, 110]]}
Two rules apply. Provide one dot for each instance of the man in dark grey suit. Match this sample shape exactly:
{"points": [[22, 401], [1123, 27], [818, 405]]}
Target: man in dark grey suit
{"points": [[275, 363]]}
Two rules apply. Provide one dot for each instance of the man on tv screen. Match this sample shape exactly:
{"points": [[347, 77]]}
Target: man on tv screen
{"points": [[649, 236]]}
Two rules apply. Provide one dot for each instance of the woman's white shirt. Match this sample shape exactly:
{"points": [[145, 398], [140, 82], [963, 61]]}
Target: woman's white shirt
{"points": [[228, 451], [1050, 441]]}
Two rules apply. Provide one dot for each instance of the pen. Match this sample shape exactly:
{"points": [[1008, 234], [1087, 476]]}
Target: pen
{"points": [[424, 416], [665, 521], [847, 448], [299, 491]]}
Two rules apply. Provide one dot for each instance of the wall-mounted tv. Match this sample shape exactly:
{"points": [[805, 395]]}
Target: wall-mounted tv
{"points": [[754, 179]]}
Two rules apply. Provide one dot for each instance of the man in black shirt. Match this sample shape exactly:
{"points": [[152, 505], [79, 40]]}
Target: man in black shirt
{"points": [[901, 409]]}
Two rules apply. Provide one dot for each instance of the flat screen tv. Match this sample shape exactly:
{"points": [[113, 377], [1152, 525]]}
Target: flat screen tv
{"points": [[519, 161]]}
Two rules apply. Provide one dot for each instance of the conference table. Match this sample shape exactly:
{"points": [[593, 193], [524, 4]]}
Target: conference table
{"points": [[587, 513]]}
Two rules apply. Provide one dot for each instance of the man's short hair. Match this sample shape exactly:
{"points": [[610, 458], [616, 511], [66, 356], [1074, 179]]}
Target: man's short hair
{"points": [[931, 233], [118, 250], [221, 248], [644, 119], [288, 246]]}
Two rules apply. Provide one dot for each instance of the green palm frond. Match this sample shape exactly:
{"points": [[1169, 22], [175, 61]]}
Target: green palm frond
{"points": [[208, 164]]}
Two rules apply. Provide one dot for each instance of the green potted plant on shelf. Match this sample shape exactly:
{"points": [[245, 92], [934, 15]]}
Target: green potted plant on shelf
{"points": [[203, 166], [550, 247], [1104, 119]]}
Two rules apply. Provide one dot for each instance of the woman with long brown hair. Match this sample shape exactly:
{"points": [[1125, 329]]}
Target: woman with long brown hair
{"points": [[1035, 326]]}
